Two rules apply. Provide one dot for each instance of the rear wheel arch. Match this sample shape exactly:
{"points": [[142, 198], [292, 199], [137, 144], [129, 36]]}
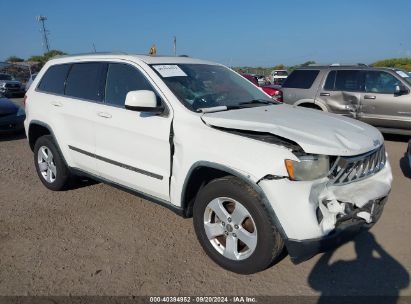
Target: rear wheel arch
{"points": [[38, 129], [312, 105]]}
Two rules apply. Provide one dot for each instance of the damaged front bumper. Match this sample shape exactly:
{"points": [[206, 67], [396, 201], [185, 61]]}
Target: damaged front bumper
{"points": [[345, 230], [316, 216]]}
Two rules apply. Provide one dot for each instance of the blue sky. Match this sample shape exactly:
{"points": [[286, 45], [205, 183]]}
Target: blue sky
{"points": [[237, 32]]}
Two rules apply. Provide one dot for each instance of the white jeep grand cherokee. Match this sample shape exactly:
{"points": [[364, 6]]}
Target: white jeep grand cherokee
{"points": [[194, 136]]}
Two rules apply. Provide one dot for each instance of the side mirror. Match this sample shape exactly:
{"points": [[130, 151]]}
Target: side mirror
{"points": [[143, 101], [400, 90]]}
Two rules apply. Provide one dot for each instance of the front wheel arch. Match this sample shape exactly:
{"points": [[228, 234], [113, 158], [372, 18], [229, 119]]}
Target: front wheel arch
{"points": [[187, 200]]}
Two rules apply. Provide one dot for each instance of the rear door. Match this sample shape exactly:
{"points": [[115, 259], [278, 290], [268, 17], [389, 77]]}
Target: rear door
{"points": [[132, 148], [74, 113], [341, 91], [380, 106]]}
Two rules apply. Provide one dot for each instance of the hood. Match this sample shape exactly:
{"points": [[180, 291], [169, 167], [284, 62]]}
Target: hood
{"points": [[315, 131], [7, 107]]}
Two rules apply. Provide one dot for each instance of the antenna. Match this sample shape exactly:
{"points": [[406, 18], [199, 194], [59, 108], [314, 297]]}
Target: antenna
{"points": [[41, 19], [94, 48], [175, 45]]}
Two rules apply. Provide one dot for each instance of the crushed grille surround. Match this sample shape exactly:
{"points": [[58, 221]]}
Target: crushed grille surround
{"points": [[354, 168]]}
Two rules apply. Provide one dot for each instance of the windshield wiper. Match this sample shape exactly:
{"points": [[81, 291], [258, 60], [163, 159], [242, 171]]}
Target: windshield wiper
{"points": [[258, 101], [212, 109]]}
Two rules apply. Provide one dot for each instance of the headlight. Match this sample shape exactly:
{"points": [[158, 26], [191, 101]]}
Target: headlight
{"points": [[20, 112], [310, 167]]}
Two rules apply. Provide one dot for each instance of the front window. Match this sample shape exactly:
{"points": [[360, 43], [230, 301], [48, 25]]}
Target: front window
{"points": [[200, 86], [121, 79], [380, 82], [280, 73]]}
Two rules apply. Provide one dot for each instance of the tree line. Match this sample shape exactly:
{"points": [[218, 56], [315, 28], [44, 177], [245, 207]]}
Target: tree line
{"points": [[401, 63], [36, 58]]}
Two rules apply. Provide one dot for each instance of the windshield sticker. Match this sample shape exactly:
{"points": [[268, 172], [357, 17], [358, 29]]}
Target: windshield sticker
{"points": [[403, 74], [169, 70]]}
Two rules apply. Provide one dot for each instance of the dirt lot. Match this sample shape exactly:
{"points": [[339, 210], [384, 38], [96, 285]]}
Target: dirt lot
{"points": [[97, 240]]}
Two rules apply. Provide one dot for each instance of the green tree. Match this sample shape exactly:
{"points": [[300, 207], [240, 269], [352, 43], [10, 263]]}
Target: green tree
{"points": [[37, 58], [307, 63], [46, 56], [279, 67], [53, 53], [14, 59], [401, 63]]}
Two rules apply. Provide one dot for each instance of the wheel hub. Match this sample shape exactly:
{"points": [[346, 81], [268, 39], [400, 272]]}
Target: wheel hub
{"points": [[230, 228]]}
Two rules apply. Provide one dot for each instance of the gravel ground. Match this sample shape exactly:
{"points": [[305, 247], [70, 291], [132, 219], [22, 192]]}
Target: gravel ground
{"points": [[98, 240]]}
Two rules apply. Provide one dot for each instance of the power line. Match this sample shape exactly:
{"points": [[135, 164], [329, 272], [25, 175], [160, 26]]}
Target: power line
{"points": [[45, 32]]}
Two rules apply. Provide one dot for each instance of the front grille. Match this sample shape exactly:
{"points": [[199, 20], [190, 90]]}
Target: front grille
{"points": [[12, 85], [349, 169]]}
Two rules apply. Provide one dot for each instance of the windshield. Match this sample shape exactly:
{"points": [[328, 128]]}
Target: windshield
{"points": [[5, 77], [200, 86], [404, 75]]}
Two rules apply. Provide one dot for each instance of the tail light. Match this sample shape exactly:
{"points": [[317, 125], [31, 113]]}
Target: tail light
{"points": [[278, 95], [24, 101]]}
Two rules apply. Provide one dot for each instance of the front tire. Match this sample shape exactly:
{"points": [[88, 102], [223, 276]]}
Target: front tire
{"points": [[234, 227], [50, 165]]}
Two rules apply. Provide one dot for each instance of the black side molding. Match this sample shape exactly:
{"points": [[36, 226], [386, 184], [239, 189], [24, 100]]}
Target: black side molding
{"points": [[115, 163]]}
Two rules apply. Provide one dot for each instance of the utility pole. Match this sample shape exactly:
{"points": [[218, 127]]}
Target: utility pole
{"points": [[41, 19], [175, 45]]}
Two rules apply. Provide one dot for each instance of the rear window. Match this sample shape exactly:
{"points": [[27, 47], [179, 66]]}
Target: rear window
{"points": [[329, 83], [86, 81], [348, 80], [301, 79], [54, 78]]}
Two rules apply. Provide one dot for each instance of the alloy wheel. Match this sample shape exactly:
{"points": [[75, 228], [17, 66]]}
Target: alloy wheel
{"points": [[46, 164], [230, 228]]}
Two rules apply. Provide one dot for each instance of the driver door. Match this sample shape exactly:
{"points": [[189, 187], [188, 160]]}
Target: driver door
{"points": [[132, 148], [381, 106]]}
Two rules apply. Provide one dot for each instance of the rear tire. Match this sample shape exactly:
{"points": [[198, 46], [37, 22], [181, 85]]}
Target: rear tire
{"points": [[50, 166], [234, 226]]}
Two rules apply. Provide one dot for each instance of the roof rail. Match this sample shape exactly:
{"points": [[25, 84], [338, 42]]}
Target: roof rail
{"points": [[348, 65], [91, 54]]}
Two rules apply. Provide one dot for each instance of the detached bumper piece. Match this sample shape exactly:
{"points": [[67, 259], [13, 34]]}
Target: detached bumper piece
{"points": [[346, 229]]}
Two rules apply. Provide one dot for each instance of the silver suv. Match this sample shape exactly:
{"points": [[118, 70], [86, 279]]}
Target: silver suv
{"points": [[378, 96]]}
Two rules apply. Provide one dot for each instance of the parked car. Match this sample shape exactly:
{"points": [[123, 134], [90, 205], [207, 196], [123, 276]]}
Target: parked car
{"points": [[9, 86], [256, 175], [272, 90], [251, 78], [30, 81], [11, 116], [378, 96], [278, 77], [262, 81]]}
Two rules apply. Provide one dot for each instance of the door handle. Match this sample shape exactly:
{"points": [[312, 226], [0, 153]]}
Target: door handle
{"points": [[56, 103], [104, 115], [369, 97], [324, 94]]}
